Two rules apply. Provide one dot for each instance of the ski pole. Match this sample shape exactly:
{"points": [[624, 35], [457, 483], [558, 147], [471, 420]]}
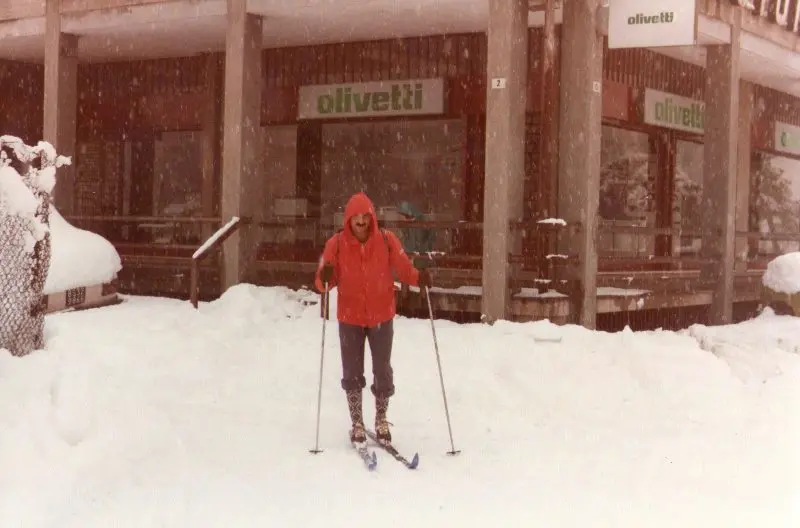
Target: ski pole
{"points": [[441, 377], [321, 363]]}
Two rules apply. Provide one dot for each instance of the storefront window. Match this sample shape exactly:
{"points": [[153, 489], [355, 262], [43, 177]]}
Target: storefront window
{"points": [[285, 208], [416, 162], [98, 178], [177, 185], [686, 196], [775, 200], [627, 192], [279, 164], [155, 177], [178, 174], [99, 185]]}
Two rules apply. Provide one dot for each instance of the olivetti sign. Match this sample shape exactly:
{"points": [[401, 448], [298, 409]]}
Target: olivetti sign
{"points": [[372, 99], [785, 13]]}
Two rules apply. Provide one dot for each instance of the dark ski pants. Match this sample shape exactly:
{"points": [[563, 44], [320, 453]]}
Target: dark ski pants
{"points": [[352, 339]]}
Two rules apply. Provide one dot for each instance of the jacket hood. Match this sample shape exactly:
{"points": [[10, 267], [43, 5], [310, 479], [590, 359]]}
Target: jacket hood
{"points": [[359, 203]]}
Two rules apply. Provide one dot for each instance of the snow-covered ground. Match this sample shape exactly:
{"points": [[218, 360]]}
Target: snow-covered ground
{"points": [[152, 414]]}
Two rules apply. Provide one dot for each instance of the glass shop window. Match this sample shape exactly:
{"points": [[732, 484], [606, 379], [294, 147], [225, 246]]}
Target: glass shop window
{"points": [[774, 201], [687, 193], [410, 169], [628, 175]]}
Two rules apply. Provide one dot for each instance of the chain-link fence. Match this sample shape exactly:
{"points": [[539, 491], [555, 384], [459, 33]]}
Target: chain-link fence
{"points": [[27, 177]]}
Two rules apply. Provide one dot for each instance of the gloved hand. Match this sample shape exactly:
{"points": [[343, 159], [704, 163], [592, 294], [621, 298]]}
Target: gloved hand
{"points": [[424, 279], [326, 273]]}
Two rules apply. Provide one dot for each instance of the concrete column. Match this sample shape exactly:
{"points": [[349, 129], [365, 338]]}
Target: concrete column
{"points": [[579, 146], [211, 129], [60, 101], [241, 187], [720, 172], [743, 171], [550, 111], [505, 147]]}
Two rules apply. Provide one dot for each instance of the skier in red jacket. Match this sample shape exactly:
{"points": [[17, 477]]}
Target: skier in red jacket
{"points": [[361, 260]]}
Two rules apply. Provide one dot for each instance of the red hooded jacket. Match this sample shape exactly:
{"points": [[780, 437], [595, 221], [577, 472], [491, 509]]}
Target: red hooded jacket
{"points": [[364, 272]]}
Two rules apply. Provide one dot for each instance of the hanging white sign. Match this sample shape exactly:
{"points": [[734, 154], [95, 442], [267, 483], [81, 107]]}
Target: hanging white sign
{"points": [[652, 23]]}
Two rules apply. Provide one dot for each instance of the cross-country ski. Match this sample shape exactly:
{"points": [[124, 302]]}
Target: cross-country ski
{"points": [[392, 450]]}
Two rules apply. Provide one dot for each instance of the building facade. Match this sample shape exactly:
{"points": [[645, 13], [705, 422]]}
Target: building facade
{"points": [[553, 176]]}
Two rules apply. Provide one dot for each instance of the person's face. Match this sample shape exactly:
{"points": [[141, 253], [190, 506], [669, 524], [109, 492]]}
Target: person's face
{"points": [[359, 224]]}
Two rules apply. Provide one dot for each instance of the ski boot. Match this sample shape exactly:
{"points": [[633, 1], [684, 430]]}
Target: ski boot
{"points": [[381, 424], [357, 434]]}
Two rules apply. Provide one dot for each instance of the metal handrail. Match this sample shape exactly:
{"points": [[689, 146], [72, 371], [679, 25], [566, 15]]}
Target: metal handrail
{"points": [[211, 244]]}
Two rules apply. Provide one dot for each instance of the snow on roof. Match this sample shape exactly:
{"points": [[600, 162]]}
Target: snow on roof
{"points": [[783, 273], [78, 257]]}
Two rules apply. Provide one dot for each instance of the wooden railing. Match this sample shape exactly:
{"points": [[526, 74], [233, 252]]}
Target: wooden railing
{"points": [[659, 246], [140, 218], [456, 257], [147, 231], [538, 257], [156, 251], [757, 258]]}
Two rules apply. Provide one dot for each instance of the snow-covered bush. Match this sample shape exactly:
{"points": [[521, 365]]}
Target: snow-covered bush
{"points": [[781, 282], [783, 273], [27, 179]]}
